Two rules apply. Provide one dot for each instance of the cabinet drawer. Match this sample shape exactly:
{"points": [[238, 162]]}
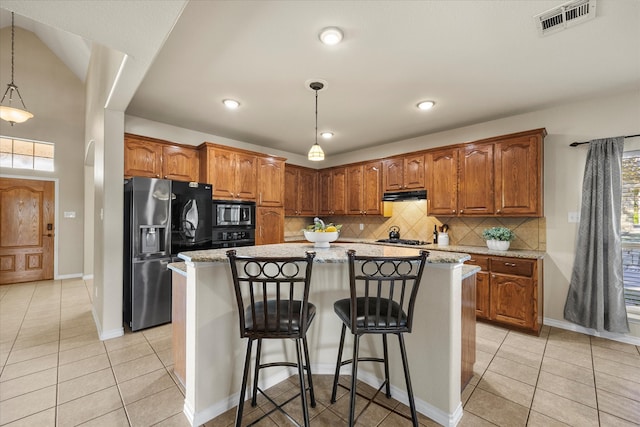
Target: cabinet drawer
{"points": [[515, 266], [480, 261]]}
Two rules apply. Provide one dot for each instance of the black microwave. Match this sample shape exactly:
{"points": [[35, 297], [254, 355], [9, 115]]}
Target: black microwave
{"points": [[231, 213]]}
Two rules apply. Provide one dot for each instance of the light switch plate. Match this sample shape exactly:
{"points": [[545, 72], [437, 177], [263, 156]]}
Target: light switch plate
{"points": [[361, 227], [70, 214], [574, 217]]}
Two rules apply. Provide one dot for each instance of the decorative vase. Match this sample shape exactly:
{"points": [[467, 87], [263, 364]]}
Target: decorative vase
{"points": [[498, 245]]}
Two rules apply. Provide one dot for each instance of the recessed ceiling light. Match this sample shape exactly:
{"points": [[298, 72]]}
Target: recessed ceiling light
{"points": [[326, 135], [231, 104], [426, 105], [331, 35]]}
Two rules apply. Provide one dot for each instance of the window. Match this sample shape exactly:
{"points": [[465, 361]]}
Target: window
{"points": [[630, 228], [26, 154]]}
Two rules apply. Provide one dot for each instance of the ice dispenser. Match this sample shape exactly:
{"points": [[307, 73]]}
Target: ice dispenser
{"points": [[152, 239]]}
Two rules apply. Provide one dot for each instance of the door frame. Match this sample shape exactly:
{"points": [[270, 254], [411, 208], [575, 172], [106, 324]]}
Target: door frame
{"points": [[56, 182]]}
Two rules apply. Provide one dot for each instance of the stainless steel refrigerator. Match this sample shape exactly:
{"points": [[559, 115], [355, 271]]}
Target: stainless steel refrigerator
{"points": [[147, 251]]}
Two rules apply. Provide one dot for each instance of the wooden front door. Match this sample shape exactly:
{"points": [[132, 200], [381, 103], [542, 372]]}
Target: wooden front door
{"points": [[26, 230]]}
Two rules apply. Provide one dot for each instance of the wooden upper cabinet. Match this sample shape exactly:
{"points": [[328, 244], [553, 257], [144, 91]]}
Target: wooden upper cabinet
{"points": [[475, 185], [364, 189], [301, 186], [155, 158], [142, 158], [442, 184], [180, 163], [331, 191], [232, 174], [404, 173], [518, 179], [270, 182]]}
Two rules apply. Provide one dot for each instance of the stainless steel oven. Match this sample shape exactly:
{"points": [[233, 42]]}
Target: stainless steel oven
{"points": [[234, 223]]}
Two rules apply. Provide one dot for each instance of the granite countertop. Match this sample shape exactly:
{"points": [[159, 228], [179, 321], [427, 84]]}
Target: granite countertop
{"points": [[480, 250], [335, 254], [179, 267], [468, 270]]}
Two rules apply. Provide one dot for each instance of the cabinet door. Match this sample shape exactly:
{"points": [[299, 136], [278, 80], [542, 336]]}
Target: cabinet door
{"points": [[518, 177], [290, 190], [414, 172], [338, 195], [307, 192], [325, 190], [142, 158], [270, 182], [180, 163], [511, 300], [355, 190], [269, 225], [442, 185], [482, 295], [246, 176], [475, 191], [393, 174], [222, 169], [372, 187]]}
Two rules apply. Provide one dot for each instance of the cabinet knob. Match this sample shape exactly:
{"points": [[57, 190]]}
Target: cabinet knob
{"points": [[453, 211], [499, 211], [157, 175], [461, 210]]}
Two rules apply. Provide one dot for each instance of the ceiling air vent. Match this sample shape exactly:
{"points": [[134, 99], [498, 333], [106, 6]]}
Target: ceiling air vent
{"points": [[565, 16]]}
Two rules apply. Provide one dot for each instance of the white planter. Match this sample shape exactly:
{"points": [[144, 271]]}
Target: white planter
{"points": [[498, 245]]}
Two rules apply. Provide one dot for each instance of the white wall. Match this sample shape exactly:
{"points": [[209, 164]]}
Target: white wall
{"points": [[56, 98], [606, 116]]}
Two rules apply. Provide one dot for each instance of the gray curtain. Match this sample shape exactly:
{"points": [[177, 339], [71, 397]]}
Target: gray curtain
{"points": [[596, 293]]}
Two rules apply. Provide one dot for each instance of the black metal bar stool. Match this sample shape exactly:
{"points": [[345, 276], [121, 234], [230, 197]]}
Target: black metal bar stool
{"points": [[273, 303], [383, 295]]}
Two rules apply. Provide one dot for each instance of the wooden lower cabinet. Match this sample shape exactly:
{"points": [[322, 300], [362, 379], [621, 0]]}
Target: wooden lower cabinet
{"points": [[509, 292], [269, 225], [179, 324], [468, 329]]}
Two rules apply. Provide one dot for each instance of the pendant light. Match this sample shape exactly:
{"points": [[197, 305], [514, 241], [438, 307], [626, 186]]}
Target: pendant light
{"points": [[8, 112], [315, 153]]}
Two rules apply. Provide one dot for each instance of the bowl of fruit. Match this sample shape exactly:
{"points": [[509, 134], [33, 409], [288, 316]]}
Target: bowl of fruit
{"points": [[321, 235]]}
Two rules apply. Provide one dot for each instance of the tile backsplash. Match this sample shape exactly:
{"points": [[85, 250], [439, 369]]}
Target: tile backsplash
{"points": [[414, 223]]}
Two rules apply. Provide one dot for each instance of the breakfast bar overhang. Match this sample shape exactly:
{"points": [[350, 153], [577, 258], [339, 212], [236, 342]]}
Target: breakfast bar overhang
{"points": [[215, 351]]}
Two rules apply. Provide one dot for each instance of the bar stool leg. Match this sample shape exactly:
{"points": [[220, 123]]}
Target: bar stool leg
{"points": [[303, 392], [407, 378], [254, 394], [386, 365], [338, 363], [354, 379], [312, 395], [243, 388]]}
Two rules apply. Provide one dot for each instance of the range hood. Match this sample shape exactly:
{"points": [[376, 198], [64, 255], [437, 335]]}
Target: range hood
{"points": [[403, 196]]}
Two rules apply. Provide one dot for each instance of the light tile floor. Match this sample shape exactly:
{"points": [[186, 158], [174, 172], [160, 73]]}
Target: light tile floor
{"points": [[55, 371]]}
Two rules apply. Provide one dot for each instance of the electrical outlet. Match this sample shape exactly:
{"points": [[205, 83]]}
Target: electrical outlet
{"points": [[361, 227], [574, 217]]}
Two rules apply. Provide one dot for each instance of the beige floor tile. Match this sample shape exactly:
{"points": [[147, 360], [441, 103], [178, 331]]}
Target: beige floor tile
{"points": [[46, 418], [570, 389], [177, 420], [82, 367], [536, 419], [466, 393], [571, 346], [619, 406], [508, 388], [27, 404], [616, 369], [166, 357], [155, 408], [128, 339], [532, 343], [85, 385], [617, 385], [471, 420], [80, 353], [581, 359], [608, 420], [617, 356], [565, 410], [117, 418], [145, 385], [135, 368], [88, 407], [487, 345], [327, 418], [160, 344], [32, 352], [515, 370], [565, 335], [496, 409], [78, 330], [162, 331], [25, 341], [28, 383], [27, 367], [567, 370], [79, 341], [613, 345], [132, 352], [520, 355]]}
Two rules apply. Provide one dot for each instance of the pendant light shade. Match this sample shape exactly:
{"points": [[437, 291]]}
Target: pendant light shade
{"points": [[315, 153], [8, 111]]}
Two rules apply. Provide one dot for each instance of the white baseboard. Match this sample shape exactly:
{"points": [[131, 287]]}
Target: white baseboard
{"points": [[68, 276], [87, 277], [105, 335], [562, 324]]}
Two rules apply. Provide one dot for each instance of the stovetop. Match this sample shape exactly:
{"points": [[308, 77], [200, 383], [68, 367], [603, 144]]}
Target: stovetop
{"points": [[404, 242]]}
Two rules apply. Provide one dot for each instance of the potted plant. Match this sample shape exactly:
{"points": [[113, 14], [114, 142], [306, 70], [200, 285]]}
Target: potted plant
{"points": [[498, 238]]}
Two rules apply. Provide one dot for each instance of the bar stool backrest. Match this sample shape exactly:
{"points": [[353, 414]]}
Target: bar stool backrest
{"points": [[272, 294], [383, 292]]}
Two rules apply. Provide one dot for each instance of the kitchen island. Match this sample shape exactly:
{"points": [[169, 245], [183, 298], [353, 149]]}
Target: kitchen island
{"points": [[214, 351]]}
